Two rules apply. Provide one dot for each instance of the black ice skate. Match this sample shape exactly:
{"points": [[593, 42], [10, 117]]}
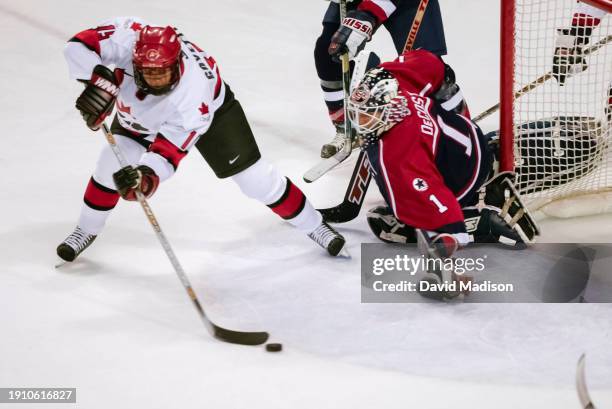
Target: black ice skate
{"points": [[74, 244], [328, 238], [330, 149]]}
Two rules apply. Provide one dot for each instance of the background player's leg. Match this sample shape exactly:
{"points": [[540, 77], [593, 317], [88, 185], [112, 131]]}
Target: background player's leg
{"points": [[431, 32], [330, 74], [99, 200]]}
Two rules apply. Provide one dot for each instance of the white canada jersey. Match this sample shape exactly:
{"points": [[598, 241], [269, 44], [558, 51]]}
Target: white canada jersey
{"points": [[174, 121]]}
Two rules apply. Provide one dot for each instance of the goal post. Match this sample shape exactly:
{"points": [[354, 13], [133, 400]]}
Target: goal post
{"points": [[555, 136]]}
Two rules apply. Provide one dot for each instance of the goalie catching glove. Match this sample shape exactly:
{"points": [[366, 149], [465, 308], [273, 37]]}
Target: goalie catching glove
{"points": [[356, 30], [97, 100], [129, 180]]}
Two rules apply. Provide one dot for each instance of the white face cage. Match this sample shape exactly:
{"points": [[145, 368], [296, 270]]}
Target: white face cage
{"points": [[368, 109]]}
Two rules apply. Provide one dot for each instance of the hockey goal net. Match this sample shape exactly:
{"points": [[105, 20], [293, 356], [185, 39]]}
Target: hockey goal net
{"points": [[557, 137]]}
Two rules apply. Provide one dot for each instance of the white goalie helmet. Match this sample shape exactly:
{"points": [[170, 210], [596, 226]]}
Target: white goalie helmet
{"points": [[376, 105]]}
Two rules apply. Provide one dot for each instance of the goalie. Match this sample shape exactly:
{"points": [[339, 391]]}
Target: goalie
{"points": [[433, 167]]}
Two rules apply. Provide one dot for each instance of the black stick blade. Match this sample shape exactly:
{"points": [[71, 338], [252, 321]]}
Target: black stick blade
{"points": [[355, 193], [239, 337]]}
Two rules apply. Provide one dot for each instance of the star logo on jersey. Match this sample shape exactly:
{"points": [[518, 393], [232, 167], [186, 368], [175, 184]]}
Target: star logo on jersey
{"points": [[419, 185], [204, 109], [123, 108]]}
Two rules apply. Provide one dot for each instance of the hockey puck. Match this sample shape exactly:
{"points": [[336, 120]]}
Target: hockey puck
{"points": [[274, 347]]}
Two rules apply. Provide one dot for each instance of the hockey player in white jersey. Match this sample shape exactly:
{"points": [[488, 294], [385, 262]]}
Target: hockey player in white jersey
{"points": [[170, 97], [568, 57]]}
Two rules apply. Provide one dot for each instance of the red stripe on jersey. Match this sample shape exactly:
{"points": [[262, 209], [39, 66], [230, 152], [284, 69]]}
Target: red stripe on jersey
{"points": [[584, 20], [374, 9], [291, 203], [167, 150], [100, 197], [189, 138], [90, 39]]}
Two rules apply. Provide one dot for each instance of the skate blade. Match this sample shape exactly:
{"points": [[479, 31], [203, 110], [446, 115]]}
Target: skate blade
{"points": [[60, 263], [344, 253]]}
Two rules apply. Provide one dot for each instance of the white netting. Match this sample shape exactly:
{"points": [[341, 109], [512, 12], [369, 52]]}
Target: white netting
{"points": [[562, 133]]}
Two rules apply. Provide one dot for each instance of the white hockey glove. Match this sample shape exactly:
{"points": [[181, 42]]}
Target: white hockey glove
{"points": [[568, 59]]}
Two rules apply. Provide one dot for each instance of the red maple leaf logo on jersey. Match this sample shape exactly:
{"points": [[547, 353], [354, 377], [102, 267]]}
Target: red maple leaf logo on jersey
{"points": [[204, 109], [136, 26], [124, 108]]}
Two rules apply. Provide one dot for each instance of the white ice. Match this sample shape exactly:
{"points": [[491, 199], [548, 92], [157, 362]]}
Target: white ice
{"points": [[117, 324]]}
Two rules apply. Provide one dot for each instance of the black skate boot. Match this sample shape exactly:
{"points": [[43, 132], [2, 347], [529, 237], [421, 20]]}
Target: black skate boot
{"points": [[330, 149], [74, 244], [328, 238]]}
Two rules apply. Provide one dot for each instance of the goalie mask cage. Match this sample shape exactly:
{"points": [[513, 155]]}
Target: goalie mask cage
{"points": [[556, 138]]}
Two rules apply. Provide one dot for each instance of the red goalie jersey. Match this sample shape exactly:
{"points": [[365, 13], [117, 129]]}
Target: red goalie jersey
{"points": [[428, 162]]}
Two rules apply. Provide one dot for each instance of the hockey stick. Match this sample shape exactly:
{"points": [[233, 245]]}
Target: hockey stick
{"points": [[362, 174], [355, 193], [542, 79], [583, 393], [328, 164], [234, 337], [416, 24]]}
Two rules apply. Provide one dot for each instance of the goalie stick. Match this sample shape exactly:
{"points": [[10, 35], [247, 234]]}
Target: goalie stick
{"points": [[222, 334]]}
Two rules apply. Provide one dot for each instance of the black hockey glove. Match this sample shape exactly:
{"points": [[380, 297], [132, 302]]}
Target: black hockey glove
{"points": [[129, 179], [500, 215], [97, 100], [356, 29], [568, 59], [446, 96]]}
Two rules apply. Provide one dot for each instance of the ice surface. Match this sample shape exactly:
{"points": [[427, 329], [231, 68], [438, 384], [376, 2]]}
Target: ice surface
{"points": [[117, 324]]}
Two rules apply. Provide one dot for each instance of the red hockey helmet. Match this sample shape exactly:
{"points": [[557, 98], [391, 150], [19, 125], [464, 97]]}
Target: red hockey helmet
{"points": [[156, 60]]}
